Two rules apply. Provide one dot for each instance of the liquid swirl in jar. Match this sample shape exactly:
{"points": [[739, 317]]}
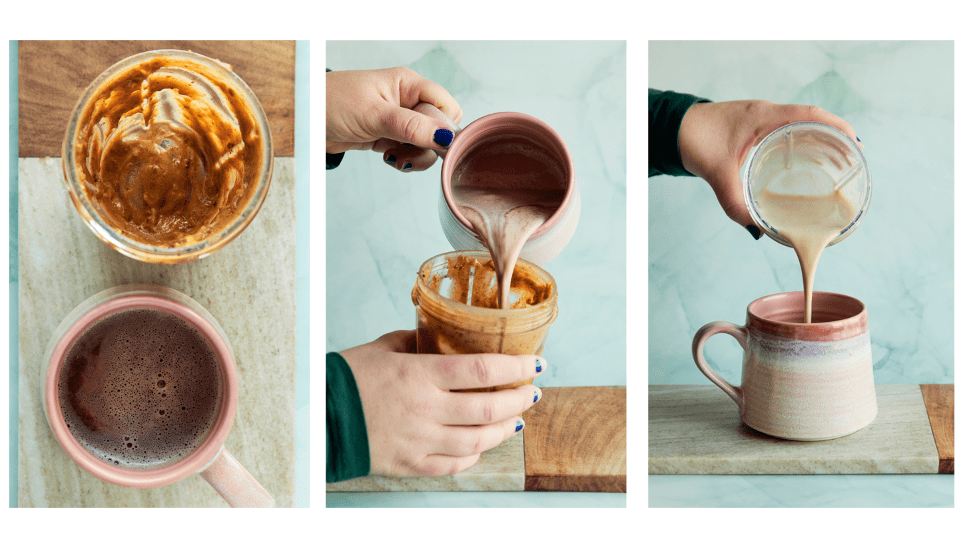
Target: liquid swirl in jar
{"points": [[168, 151]]}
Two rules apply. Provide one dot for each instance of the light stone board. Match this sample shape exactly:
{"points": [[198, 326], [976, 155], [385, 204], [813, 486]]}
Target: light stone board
{"points": [[248, 286], [500, 469], [697, 430]]}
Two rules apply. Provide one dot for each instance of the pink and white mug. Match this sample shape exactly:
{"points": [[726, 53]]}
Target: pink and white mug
{"points": [[801, 381], [182, 386]]}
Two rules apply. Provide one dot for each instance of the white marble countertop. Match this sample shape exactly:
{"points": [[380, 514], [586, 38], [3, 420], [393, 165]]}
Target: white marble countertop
{"points": [[248, 286]]}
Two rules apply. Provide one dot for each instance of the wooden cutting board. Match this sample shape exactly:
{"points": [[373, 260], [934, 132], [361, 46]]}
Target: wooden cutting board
{"points": [[939, 406], [53, 74], [574, 440], [697, 430]]}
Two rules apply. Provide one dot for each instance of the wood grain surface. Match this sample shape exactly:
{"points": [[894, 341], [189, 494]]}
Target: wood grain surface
{"points": [[575, 440], [939, 407], [52, 75]]}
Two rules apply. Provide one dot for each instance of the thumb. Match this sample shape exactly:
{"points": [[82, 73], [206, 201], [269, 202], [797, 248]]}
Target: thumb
{"points": [[407, 126], [729, 191]]}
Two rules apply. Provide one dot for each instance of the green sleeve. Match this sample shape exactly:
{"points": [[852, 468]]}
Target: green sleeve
{"points": [[333, 160], [347, 447], [665, 113]]}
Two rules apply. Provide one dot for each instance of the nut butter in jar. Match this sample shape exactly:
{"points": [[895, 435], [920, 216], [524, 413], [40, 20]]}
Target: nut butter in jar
{"points": [[456, 295], [167, 156]]}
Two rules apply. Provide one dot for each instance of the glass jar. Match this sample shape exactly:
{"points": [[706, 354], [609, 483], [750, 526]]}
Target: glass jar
{"points": [[807, 158], [202, 73], [455, 295]]}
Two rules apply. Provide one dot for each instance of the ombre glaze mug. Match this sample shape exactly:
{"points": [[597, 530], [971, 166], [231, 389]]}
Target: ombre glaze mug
{"points": [[801, 381], [210, 459], [551, 237]]}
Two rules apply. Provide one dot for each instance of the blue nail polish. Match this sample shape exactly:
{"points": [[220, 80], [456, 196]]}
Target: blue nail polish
{"points": [[408, 166], [520, 425], [859, 139], [535, 397], [443, 137], [755, 231], [539, 366], [391, 159]]}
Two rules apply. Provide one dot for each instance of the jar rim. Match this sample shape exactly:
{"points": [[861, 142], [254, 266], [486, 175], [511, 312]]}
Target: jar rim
{"points": [[165, 254], [533, 315]]}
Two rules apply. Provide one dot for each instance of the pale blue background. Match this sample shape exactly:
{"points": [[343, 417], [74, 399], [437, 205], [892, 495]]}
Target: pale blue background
{"points": [[702, 267], [382, 224]]}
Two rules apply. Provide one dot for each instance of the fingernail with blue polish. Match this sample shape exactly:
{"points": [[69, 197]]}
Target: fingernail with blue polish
{"points": [[443, 137], [858, 139], [539, 365], [520, 425], [391, 159], [408, 166], [755, 231], [537, 393]]}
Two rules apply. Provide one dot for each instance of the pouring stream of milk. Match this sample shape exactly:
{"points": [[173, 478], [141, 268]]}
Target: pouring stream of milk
{"points": [[507, 187], [809, 223], [504, 222]]}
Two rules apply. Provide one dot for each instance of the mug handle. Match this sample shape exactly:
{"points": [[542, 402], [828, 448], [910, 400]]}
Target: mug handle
{"points": [[426, 108], [239, 488], [699, 341]]}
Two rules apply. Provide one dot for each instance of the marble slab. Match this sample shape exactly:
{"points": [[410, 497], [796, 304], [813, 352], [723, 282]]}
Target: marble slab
{"points": [[248, 286], [500, 469], [697, 430]]}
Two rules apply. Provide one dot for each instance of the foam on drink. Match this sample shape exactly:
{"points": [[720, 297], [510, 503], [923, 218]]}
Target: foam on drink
{"points": [[141, 389]]}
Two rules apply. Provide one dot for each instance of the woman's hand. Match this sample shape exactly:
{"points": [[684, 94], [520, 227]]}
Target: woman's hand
{"points": [[415, 425], [371, 110], [715, 138]]}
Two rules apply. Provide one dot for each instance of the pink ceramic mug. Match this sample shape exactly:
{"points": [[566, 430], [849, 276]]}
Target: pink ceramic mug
{"points": [[551, 237], [801, 381], [209, 458]]}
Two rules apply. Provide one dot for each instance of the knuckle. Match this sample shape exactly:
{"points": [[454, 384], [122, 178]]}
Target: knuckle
{"points": [[457, 466], [488, 413], [813, 111], [399, 73], [446, 368], [476, 444], [481, 371], [412, 126]]}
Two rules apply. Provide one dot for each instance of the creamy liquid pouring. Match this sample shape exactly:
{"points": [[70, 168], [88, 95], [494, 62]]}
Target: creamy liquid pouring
{"points": [[809, 224], [507, 188]]}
